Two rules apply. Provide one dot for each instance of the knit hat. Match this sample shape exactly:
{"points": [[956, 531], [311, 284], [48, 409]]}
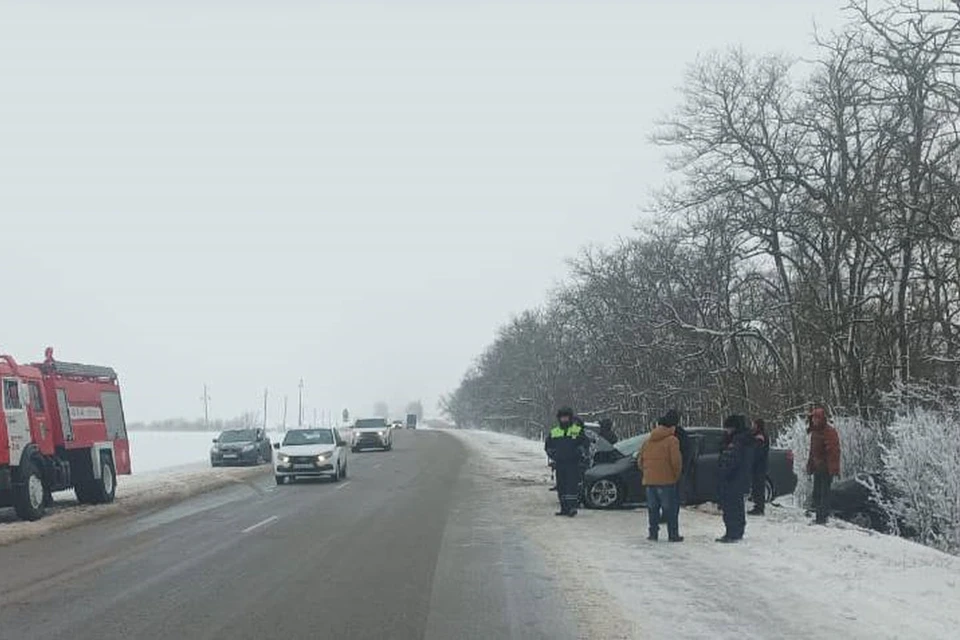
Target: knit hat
{"points": [[737, 423], [669, 419]]}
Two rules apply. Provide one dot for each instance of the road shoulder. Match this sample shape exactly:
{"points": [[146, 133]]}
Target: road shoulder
{"points": [[135, 494], [788, 576]]}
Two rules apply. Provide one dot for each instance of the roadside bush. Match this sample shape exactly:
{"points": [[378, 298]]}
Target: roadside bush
{"points": [[922, 468]]}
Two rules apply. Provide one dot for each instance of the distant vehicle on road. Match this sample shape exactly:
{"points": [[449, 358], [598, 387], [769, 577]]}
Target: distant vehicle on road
{"points": [[412, 421], [372, 433], [612, 484], [310, 453], [241, 446], [397, 424]]}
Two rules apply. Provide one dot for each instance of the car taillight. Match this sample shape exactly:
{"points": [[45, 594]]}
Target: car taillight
{"points": [[790, 456]]}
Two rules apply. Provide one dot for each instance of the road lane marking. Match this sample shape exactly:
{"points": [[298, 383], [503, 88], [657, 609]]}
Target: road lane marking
{"points": [[343, 485], [260, 524], [378, 465]]}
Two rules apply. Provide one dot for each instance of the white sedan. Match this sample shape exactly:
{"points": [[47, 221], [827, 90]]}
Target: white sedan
{"points": [[310, 453]]}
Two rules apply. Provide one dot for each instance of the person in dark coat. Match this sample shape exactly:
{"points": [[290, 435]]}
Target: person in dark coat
{"points": [[566, 446], [735, 468], [823, 462], [761, 456], [606, 431]]}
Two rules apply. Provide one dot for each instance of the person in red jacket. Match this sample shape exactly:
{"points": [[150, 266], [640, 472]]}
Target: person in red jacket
{"points": [[823, 461]]}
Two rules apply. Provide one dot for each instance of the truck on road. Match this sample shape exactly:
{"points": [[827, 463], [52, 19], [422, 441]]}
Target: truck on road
{"points": [[61, 427]]}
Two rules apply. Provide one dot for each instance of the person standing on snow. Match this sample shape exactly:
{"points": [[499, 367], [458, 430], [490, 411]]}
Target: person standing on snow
{"points": [[606, 431], [661, 465], [823, 461], [735, 467], [565, 446], [761, 455], [672, 419]]}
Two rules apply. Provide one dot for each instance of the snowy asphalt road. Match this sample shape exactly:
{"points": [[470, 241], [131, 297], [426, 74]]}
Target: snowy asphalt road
{"points": [[411, 546]]}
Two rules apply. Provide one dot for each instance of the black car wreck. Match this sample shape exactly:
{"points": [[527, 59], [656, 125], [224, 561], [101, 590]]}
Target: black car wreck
{"points": [[619, 482], [241, 446], [860, 500]]}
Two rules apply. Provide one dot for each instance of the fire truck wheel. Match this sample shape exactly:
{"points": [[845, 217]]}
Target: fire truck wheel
{"points": [[28, 494], [105, 488], [82, 491]]}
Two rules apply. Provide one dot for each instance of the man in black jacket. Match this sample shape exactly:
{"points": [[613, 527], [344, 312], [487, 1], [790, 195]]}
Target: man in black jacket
{"points": [[606, 431], [566, 446], [761, 456], [735, 467]]}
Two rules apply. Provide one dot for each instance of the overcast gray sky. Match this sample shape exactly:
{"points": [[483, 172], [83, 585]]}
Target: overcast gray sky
{"points": [[245, 193]]}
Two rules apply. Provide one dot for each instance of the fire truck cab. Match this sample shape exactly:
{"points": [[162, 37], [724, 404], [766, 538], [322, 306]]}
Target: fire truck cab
{"points": [[61, 427]]}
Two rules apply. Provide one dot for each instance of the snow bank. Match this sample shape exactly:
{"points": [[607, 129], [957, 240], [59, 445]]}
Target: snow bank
{"points": [[134, 493], [787, 579]]}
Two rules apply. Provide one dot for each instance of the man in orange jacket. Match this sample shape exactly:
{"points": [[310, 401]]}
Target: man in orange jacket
{"points": [[661, 465], [823, 461]]}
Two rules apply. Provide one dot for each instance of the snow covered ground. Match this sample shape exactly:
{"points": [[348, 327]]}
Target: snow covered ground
{"points": [[167, 467], [788, 579]]}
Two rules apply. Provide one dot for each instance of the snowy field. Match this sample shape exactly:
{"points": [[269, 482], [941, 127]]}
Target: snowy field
{"points": [[152, 451], [788, 579]]}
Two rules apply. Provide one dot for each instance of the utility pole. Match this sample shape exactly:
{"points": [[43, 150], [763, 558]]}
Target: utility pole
{"points": [[205, 398], [284, 413], [300, 416], [265, 409]]}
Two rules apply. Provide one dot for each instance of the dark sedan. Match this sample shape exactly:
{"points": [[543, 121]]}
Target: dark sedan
{"points": [[241, 446], [619, 482], [861, 499]]}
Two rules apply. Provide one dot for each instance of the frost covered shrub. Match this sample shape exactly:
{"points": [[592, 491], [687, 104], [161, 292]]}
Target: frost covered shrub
{"points": [[860, 450], [794, 436], [922, 468]]}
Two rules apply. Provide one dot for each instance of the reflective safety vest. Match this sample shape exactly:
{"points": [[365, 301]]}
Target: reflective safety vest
{"points": [[573, 431]]}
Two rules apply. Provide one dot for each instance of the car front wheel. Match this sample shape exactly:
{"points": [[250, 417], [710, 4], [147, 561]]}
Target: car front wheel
{"points": [[769, 491], [604, 493]]}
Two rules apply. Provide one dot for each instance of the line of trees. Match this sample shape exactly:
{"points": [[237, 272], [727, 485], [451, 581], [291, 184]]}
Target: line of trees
{"points": [[806, 249]]}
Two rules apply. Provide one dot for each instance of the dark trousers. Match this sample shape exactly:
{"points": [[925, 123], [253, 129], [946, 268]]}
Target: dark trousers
{"points": [[568, 486], [821, 495], [734, 513], [759, 492], [663, 502]]}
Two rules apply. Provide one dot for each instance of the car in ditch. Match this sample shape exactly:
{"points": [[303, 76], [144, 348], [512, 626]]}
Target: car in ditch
{"points": [[371, 433], [241, 447], [310, 453], [867, 500], [619, 482]]}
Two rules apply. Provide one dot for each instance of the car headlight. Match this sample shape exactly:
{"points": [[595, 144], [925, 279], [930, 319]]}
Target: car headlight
{"points": [[283, 458], [249, 447], [323, 457], [382, 433]]}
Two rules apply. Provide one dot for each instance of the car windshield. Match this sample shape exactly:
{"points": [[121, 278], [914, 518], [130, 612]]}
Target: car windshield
{"points": [[308, 436], [240, 435], [630, 446], [370, 424]]}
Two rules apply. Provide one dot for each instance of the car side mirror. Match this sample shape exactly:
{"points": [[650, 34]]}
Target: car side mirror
{"points": [[214, 441], [276, 445]]}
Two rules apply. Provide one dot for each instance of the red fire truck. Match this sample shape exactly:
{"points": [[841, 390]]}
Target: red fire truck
{"points": [[61, 427]]}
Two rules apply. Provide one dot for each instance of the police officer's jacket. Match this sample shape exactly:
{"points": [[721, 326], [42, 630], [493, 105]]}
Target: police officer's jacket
{"points": [[566, 444]]}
